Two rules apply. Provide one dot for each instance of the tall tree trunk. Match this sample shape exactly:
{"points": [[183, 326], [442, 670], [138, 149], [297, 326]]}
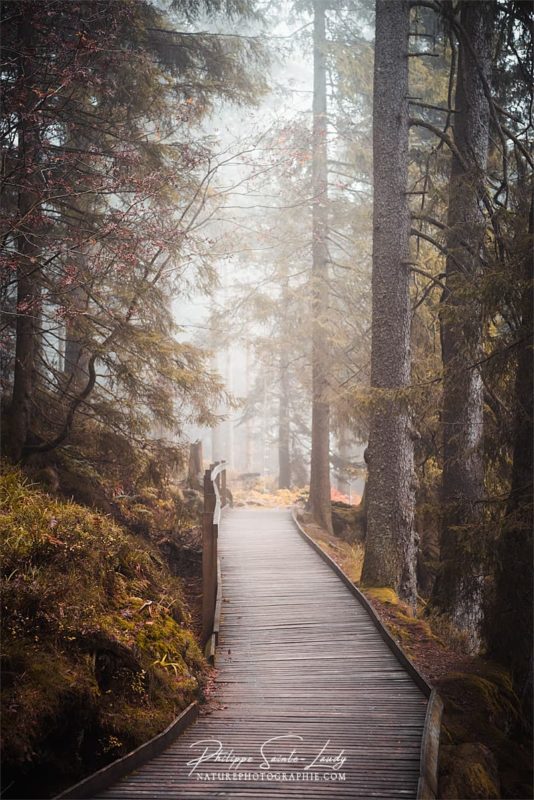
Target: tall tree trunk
{"points": [[195, 467], [343, 449], [229, 424], [248, 425], [284, 456], [510, 625], [76, 354], [217, 430], [284, 453], [320, 505], [284, 429], [390, 553], [28, 294], [459, 584]]}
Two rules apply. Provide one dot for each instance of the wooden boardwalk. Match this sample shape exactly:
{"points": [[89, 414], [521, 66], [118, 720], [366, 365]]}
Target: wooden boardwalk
{"points": [[298, 658]]}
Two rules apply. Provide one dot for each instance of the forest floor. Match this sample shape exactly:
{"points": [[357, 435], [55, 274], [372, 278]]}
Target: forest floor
{"points": [[485, 751]]}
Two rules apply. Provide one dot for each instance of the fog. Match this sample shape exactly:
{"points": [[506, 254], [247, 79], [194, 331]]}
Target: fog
{"points": [[243, 247]]}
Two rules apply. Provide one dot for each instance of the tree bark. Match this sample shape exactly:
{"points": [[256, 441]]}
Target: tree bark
{"points": [[195, 467], [390, 553], [284, 455], [284, 426], [216, 430], [343, 482], [229, 424], [459, 584], [320, 504], [76, 354], [248, 425]]}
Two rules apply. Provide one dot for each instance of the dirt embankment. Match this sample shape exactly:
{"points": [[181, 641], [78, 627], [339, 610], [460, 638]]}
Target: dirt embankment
{"points": [[99, 650]]}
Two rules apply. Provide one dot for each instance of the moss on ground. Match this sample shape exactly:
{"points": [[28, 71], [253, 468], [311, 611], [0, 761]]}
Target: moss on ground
{"points": [[383, 594], [481, 707], [97, 654], [468, 771]]}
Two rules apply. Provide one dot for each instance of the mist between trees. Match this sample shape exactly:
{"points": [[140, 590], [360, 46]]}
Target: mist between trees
{"points": [[301, 232]]}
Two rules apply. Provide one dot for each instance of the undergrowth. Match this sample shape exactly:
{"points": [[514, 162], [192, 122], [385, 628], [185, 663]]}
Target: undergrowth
{"points": [[97, 654]]}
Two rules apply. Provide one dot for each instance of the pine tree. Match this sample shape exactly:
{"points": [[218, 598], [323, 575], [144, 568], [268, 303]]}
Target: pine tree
{"points": [[104, 185], [390, 547], [458, 588], [320, 432]]}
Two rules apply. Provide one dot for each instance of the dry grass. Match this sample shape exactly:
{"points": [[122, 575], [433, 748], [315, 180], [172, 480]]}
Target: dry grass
{"points": [[269, 498], [347, 556]]}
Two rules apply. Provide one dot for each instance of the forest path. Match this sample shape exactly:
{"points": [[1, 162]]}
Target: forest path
{"points": [[299, 658]]}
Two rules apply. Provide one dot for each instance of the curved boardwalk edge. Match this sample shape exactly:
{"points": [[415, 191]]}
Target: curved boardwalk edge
{"points": [[108, 775], [428, 782], [427, 788]]}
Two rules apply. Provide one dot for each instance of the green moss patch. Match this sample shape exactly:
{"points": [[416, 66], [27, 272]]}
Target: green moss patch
{"points": [[383, 594]]}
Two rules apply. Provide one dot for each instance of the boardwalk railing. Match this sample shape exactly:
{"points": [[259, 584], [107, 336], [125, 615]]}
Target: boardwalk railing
{"points": [[215, 499]]}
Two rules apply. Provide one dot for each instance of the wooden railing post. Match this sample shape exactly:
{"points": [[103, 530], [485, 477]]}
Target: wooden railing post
{"points": [[218, 478], [209, 558], [194, 470], [215, 493]]}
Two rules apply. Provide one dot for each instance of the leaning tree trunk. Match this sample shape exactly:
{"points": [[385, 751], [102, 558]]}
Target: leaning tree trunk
{"points": [[28, 294], [390, 552], [320, 505], [459, 584]]}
